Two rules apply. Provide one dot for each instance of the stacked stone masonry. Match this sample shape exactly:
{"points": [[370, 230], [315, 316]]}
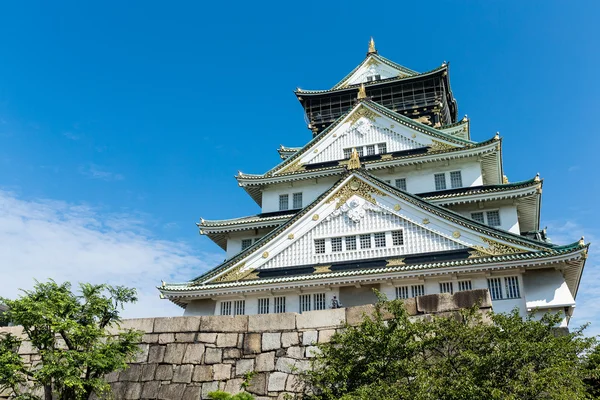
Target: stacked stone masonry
{"points": [[188, 357]]}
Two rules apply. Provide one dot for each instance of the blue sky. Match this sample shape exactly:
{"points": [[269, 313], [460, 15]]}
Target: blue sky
{"points": [[121, 125]]}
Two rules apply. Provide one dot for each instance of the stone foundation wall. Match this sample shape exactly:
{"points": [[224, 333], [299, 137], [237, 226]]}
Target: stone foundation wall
{"points": [[188, 357]]}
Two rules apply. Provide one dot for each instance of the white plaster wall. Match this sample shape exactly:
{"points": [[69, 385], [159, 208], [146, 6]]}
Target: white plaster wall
{"points": [[509, 219], [234, 242], [200, 307], [311, 189], [546, 288]]}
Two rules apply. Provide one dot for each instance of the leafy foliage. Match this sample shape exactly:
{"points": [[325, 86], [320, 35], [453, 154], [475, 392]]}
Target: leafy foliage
{"points": [[220, 395], [466, 355], [69, 332]]}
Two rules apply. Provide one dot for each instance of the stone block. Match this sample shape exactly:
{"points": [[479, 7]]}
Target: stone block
{"points": [[110, 377], [469, 298], [309, 337], [234, 386], [145, 325], [232, 353], [326, 335], [192, 392], [410, 305], [132, 373], [171, 391], [355, 315], [193, 353], [302, 366], [150, 390], [150, 338], [207, 337], [277, 381], [295, 352], [133, 390], [174, 353], [227, 339], [213, 356], [183, 373], [265, 362], [164, 372], [156, 353], [252, 343], [221, 372], [258, 384], [208, 387], [148, 371], [27, 348], [271, 341], [285, 364], [165, 338], [312, 351], [244, 366], [142, 355], [289, 339], [321, 318], [203, 373], [271, 322], [185, 337], [293, 384], [177, 324], [225, 323]]}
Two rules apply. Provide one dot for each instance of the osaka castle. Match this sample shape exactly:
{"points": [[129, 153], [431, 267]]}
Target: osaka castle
{"points": [[390, 192]]}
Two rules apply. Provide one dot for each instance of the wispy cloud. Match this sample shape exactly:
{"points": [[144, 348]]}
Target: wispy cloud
{"points": [[96, 172], [42, 239], [573, 168], [71, 136]]}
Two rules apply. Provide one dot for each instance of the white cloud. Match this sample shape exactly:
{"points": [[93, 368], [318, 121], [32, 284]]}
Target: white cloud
{"points": [[96, 172], [42, 239]]}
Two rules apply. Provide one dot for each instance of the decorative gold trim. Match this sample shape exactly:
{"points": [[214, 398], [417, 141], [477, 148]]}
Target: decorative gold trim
{"points": [[504, 179], [494, 249], [362, 111], [322, 269], [291, 236], [372, 48], [414, 135], [354, 162], [439, 146], [362, 93], [234, 274], [315, 217], [425, 221], [265, 254], [372, 61], [397, 207], [456, 234], [252, 275], [392, 126], [316, 151], [294, 167], [354, 187], [396, 262]]}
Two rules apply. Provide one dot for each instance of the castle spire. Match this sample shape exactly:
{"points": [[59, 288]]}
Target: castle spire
{"points": [[362, 93], [372, 49]]}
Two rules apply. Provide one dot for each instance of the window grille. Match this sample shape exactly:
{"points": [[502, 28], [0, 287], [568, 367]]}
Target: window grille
{"points": [[297, 200], [320, 246], [440, 181], [402, 292], [398, 238], [365, 241], [350, 242], [382, 148], [464, 285], [239, 307], [304, 302], [226, 308], [379, 239], [477, 216], [336, 244], [446, 287], [493, 218], [371, 150], [246, 243], [417, 290], [512, 287], [495, 287], [263, 306], [283, 202], [360, 151], [401, 183], [319, 300], [456, 179], [347, 153], [279, 305]]}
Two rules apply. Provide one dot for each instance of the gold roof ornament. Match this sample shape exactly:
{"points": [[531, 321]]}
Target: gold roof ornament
{"points": [[362, 93], [372, 49], [504, 179], [497, 136], [354, 162], [582, 242], [537, 177], [465, 118]]}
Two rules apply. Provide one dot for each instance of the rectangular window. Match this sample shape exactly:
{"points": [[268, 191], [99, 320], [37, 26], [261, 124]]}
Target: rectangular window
{"points": [[446, 287], [371, 150], [464, 285], [397, 238], [320, 246], [495, 288], [365, 241], [319, 301], [477, 216], [278, 305], [263, 306], [440, 181], [347, 153], [493, 218], [379, 239], [297, 200], [360, 151], [401, 183], [336, 244], [512, 287], [284, 202], [226, 308], [402, 292], [246, 243], [417, 290], [382, 148], [304, 302], [239, 307], [350, 242], [456, 179]]}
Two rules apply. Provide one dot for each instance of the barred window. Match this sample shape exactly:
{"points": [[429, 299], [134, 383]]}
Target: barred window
{"points": [[284, 202], [319, 301], [401, 183], [347, 153], [279, 305], [495, 287], [297, 200], [336, 244], [512, 287], [365, 241], [493, 218], [398, 238], [417, 290], [382, 148], [446, 287], [350, 242], [226, 308], [402, 292], [464, 285], [246, 243], [360, 151], [320, 246], [371, 150], [263, 306], [239, 307], [477, 216], [379, 239], [304, 302], [456, 179], [440, 181]]}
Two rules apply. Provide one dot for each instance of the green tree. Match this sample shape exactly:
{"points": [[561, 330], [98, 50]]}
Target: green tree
{"points": [[466, 355], [592, 378], [220, 395], [70, 333]]}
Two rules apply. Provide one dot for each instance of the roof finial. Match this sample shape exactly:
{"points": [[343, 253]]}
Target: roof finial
{"points": [[504, 179], [372, 49], [497, 136], [582, 241], [537, 177], [354, 162], [362, 93], [163, 283], [465, 118]]}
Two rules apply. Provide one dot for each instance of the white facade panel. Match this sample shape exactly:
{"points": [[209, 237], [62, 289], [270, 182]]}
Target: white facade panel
{"points": [[310, 189], [509, 219], [547, 289]]}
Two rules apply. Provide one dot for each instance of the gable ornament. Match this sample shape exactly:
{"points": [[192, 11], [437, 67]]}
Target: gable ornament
{"points": [[354, 162], [439, 146], [362, 112], [354, 187], [493, 249], [234, 274]]}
